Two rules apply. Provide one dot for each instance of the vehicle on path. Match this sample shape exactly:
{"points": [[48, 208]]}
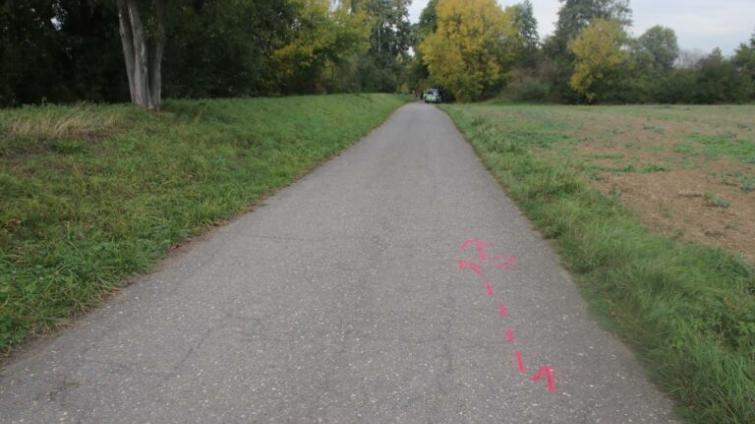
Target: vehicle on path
{"points": [[432, 95]]}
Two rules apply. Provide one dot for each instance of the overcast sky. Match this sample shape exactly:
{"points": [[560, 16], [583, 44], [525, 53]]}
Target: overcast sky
{"points": [[699, 24]]}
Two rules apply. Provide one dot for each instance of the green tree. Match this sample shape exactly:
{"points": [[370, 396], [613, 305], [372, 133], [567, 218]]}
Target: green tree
{"points": [[391, 37], [469, 52], [719, 82], [657, 49], [526, 24], [599, 58], [528, 39], [575, 15], [60, 51], [428, 19], [744, 60], [318, 41], [417, 74], [224, 47]]}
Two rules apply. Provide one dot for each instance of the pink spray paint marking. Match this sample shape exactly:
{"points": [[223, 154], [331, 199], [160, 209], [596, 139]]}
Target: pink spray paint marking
{"points": [[502, 311], [510, 335], [520, 362], [489, 289], [475, 268], [479, 245], [507, 263], [548, 373]]}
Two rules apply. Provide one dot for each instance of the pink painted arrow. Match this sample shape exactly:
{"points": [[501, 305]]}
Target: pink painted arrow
{"points": [[506, 264], [479, 245], [489, 289], [475, 268], [548, 373], [502, 311]]}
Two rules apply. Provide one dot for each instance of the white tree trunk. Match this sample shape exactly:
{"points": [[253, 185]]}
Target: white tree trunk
{"points": [[127, 41], [156, 56], [142, 54]]}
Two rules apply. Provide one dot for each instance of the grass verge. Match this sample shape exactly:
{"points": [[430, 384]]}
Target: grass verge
{"points": [[689, 310], [90, 195]]}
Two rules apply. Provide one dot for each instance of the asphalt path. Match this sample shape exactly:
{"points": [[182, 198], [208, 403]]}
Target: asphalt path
{"points": [[342, 299]]}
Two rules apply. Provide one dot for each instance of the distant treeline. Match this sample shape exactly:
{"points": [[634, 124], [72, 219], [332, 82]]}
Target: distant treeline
{"points": [[70, 50], [475, 49]]}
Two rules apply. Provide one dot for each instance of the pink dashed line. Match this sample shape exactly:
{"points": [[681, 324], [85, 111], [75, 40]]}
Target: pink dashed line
{"points": [[503, 264], [551, 379], [520, 362], [510, 335]]}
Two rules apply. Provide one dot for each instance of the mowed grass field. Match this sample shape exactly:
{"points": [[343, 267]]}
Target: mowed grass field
{"points": [[653, 210], [90, 195]]}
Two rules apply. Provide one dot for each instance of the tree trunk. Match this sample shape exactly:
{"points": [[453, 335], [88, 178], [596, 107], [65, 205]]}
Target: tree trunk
{"points": [[142, 53], [127, 41], [156, 56]]}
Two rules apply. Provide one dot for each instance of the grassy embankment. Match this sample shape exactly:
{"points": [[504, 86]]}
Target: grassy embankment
{"points": [[90, 195], [688, 309]]}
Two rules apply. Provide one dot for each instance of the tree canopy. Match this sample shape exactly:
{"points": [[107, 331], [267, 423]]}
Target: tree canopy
{"points": [[468, 52], [599, 57]]}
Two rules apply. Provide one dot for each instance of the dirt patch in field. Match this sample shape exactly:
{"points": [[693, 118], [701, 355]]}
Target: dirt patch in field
{"points": [[691, 205], [689, 195]]}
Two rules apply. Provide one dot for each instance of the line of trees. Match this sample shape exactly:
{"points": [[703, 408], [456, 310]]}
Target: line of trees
{"points": [[143, 50], [475, 49]]}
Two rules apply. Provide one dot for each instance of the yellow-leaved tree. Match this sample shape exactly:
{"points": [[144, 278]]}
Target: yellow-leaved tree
{"points": [[599, 58], [471, 47], [321, 38]]}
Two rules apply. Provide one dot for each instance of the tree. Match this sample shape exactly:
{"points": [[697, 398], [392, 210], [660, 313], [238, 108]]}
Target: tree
{"points": [[223, 48], [468, 52], [390, 39], [143, 49], [599, 57], [575, 15], [744, 60], [719, 82], [318, 41], [60, 51], [528, 39], [526, 24], [417, 74], [428, 19], [657, 49]]}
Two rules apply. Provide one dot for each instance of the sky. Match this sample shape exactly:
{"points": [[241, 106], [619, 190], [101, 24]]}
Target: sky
{"points": [[700, 25]]}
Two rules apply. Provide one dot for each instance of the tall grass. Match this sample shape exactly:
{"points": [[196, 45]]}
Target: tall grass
{"points": [[92, 194], [688, 310]]}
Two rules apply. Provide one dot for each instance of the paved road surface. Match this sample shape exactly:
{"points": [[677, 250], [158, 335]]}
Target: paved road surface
{"points": [[341, 301]]}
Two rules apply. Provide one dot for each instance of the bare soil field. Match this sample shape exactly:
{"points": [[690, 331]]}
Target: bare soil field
{"points": [[686, 171]]}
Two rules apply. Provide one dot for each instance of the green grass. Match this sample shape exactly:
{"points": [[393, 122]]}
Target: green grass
{"points": [[726, 144], [93, 194], [688, 310]]}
